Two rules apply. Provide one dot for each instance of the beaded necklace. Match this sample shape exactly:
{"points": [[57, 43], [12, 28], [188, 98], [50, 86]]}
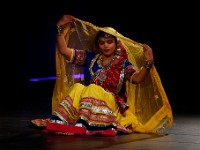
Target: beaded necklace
{"points": [[99, 62]]}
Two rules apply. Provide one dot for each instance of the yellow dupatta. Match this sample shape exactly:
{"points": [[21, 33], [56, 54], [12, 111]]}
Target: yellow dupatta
{"points": [[148, 100]]}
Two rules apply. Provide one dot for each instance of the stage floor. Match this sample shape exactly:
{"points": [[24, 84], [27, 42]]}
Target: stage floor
{"points": [[16, 131]]}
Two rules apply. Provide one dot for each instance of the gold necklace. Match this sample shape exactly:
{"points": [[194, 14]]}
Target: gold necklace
{"points": [[100, 63]]}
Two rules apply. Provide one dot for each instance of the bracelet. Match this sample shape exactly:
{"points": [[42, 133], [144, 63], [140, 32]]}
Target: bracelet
{"points": [[149, 64], [59, 30]]}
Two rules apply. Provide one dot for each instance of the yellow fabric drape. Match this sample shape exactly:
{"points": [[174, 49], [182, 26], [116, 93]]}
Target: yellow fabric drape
{"points": [[148, 101]]}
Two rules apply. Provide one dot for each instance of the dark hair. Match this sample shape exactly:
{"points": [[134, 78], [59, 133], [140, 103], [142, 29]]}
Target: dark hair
{"points": [[105, 35]]}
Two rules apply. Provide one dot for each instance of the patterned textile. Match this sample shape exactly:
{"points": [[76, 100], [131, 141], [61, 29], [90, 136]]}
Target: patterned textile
{"points": [[76, 102]]}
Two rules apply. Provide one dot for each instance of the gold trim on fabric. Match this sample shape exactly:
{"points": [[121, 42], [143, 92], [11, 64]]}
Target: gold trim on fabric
{"points": [[148, 101], [72, 56]]}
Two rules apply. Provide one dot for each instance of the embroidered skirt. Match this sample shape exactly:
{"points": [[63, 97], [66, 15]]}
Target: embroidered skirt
{"points": [[90, 110]]}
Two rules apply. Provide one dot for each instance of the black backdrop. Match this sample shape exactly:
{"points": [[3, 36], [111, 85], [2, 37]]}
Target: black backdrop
{"points": [[170, 29]]}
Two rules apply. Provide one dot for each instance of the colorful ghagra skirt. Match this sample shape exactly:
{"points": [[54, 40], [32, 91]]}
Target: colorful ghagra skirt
{"points": [[89, 110]]}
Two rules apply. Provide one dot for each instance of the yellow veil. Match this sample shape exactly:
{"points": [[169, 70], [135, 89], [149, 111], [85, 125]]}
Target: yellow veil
{"points": [[148, 100]]}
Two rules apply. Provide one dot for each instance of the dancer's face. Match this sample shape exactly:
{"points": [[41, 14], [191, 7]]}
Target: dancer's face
{"points": [[107, 45]]}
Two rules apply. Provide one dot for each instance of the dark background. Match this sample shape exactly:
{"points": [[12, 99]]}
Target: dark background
{"points": [[170, 29]]}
